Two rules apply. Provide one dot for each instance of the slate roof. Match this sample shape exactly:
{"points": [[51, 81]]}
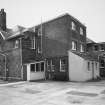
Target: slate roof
{"points": [[88, 40], [86, 56], [14, 32], [4, 34]]}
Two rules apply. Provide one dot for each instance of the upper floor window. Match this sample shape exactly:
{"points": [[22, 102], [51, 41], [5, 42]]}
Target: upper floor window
{"points": [[81, 48], [74, 45], [17, 44], [81, 30], [39, 31], [33, 42], [95, 48], [73, 26], [101, 47]]}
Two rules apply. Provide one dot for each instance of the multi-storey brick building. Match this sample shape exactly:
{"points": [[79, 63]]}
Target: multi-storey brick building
{"points": [[98, 49], [42, 52]]}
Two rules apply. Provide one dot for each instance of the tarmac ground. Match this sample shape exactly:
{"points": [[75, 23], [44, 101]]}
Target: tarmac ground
{"points": [[53, 93]]}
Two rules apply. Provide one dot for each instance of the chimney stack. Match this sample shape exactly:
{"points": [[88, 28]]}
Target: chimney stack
{"points": [[2, 20]]}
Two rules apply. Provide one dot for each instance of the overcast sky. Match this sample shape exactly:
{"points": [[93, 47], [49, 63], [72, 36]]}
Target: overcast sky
{"points": [[29, 12]]}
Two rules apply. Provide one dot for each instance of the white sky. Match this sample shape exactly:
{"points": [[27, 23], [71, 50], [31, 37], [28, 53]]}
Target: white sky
{"points": [[29, 12]]}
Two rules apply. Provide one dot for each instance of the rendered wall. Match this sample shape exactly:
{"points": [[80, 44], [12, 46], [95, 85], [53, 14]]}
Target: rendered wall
{"points": [[78, 68]]}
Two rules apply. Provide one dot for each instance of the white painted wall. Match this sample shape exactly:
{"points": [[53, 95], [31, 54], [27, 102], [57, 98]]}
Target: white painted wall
{"points": [[37, 75], [78, 68]]}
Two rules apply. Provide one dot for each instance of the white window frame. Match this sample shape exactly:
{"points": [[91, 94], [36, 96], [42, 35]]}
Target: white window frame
{"points": [[40, 66], [16, 43], [52, 66], [81, 48], [81, 31], [74, 45], [33, 44], [73, 26], [48, 66], [62, 70]]}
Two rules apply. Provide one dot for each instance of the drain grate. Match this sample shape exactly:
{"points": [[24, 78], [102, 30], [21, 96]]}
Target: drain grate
{"points": [[82, 93]]}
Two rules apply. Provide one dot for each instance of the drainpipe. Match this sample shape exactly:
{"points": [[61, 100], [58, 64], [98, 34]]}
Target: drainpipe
{"points": [[21, 58], [5, 64]]}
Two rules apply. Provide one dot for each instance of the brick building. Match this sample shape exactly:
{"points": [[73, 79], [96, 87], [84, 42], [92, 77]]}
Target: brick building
{"points": [[42, 51], [98, 49]]}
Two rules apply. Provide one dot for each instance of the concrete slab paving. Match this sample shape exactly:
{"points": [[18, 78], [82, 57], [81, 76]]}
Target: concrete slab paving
{"points": [[53, 93]]}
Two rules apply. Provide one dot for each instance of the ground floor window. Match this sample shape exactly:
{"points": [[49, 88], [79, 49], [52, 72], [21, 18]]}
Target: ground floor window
{"points": [[48, 65], [32, 67], [62, 65], [88, 66], [37, 67], [52, 66], [102, 63]]}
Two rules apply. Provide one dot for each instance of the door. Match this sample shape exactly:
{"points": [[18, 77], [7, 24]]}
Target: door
{"points": [[92, 70], [25, 72]]}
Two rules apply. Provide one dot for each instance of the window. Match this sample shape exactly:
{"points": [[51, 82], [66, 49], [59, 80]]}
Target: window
{"points": [[81, 48], [88, 66], [101, 47], [37, 67], [33, 43], [81, 30], [52, 66], [42, 66], [62, 65], [39, 32], [48, 65], [95, 48], [33, 67], [73, 26], [74, 45], [102, 63], [16, 43], [39, 50]]}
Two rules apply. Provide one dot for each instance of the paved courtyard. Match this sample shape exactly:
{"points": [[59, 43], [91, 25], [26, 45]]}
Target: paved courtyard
{"points": [[53, 93]]}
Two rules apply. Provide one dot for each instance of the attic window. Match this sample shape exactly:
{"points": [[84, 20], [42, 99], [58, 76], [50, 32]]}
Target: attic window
{"points": [[17, 44]]}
